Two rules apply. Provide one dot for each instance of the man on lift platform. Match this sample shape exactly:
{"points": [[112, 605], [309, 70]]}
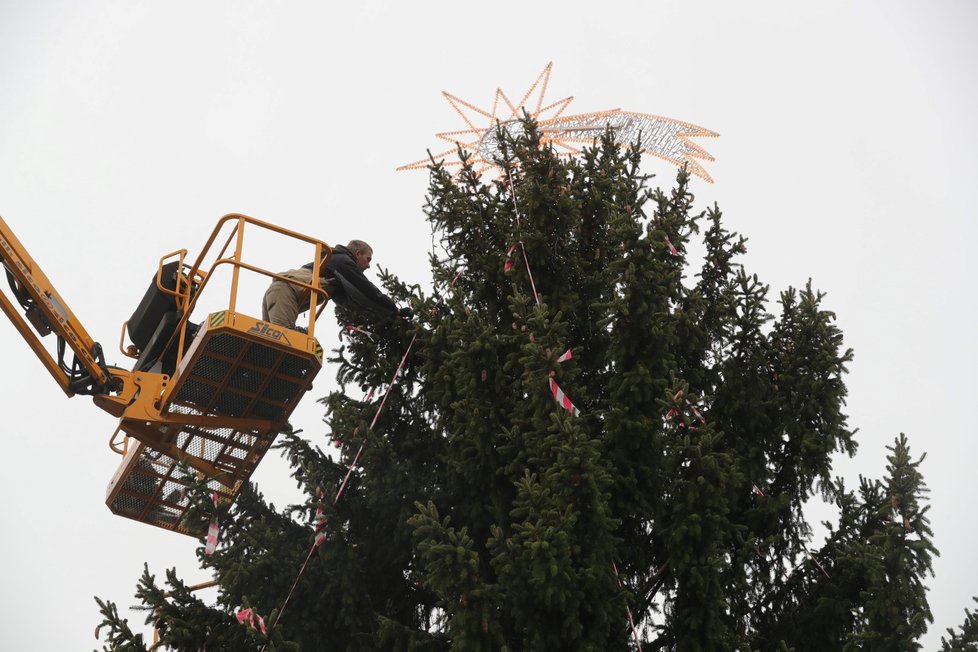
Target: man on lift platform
{"points": [[342, 278]]}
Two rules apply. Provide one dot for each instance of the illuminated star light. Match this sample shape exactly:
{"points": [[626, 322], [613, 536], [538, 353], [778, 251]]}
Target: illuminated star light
{"points": [[665, 138]]}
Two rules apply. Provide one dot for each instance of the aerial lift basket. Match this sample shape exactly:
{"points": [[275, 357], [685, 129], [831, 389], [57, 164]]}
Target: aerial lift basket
{"points": [[231, 393]]}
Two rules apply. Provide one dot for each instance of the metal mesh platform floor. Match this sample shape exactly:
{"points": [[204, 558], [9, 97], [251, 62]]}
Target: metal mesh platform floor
{"points": [[227, 403], [151, 487]]}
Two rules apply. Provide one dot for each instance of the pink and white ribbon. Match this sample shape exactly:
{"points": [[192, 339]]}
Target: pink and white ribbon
{"points": [[349, 472], [757, 490], [566, 356], [354, 329], [248, 617], [346, 478], [529, 274], [390, 386], [820, 567], [516, 209], [320, 525], [631, 621], [562, 399], [212, 532]]}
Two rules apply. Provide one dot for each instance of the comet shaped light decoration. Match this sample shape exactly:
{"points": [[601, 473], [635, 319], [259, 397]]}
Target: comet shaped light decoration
{"points": [[666, 138]]}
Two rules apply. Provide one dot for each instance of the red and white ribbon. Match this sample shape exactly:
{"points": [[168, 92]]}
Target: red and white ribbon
{"points": [[673, 411], [508, 265], [558, 393], [672, 248], [757, 490], [212, 532], [248, 617], [562, 399]]}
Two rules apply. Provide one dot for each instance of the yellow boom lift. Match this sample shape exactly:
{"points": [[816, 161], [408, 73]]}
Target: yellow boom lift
{"points": [[212, 393]]}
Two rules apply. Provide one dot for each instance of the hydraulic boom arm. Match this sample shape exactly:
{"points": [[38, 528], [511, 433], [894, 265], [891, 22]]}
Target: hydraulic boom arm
{"points": [[44, 313]]}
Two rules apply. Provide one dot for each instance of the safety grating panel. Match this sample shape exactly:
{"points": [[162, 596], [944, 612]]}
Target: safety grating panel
{"points": [[296, 367], [227, 345], [236, 377]]}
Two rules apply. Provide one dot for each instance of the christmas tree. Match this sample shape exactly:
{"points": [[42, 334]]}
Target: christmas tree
{"points": [[967, 639], [588, 438]]}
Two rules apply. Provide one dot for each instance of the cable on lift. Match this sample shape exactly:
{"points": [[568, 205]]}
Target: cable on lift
{"points": [[80, 380]]}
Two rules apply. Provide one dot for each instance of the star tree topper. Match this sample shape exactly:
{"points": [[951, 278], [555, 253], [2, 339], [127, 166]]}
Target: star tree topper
{"points": [[662, 137]]}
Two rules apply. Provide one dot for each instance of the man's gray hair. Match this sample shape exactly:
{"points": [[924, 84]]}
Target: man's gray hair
{"points": [[359, 246]]}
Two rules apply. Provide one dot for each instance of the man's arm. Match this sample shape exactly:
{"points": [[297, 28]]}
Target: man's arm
{"points": [[362, 291]]}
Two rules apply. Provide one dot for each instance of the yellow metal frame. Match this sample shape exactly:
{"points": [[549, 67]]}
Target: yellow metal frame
{"points": [[186, 301], [221, 437]]}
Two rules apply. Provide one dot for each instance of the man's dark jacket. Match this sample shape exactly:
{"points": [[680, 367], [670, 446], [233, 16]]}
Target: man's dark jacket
{"points": [[349, 286]]}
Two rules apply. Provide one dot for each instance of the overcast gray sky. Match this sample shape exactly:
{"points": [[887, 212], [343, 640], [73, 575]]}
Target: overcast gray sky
{"points": [[847, 155]]}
